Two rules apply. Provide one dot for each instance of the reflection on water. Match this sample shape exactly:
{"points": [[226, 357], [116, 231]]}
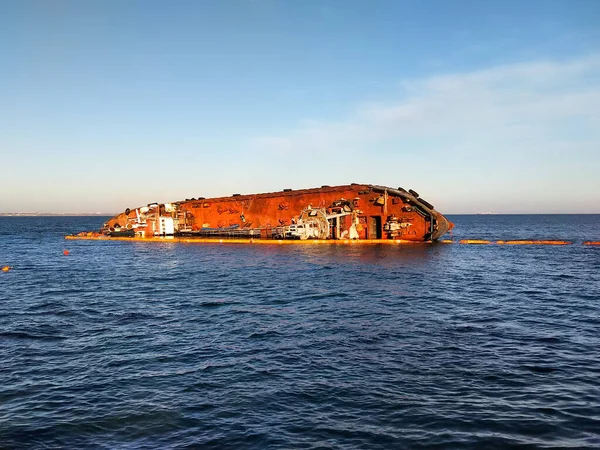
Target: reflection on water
{"points": [[382, 255]]}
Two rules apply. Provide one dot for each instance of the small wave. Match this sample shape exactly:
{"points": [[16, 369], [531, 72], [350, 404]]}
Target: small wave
{"points": [[264, 334], [549, 339], [326, 295], [216, 303], [45, 305], [31, 336], [541, 369]]}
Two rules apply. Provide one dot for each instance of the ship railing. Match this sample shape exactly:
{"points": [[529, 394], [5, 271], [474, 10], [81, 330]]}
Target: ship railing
{"points": [[238, 233]]}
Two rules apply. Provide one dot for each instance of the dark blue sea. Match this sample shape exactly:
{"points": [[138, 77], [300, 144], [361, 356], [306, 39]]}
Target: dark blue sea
{"points": [[123, 345]]}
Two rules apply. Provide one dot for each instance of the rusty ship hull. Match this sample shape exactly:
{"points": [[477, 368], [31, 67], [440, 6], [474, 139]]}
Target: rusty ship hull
{"points": [[347, 212]]}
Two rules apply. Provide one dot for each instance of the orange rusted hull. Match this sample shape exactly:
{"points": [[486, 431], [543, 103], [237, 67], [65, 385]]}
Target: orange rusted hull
{"points": [[348, 212]]}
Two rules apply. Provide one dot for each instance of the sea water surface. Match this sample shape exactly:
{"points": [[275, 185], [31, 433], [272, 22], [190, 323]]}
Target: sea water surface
{"points": [[145, 345]]}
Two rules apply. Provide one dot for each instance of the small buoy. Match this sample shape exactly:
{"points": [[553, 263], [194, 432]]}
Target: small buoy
{"points": [[66, 252], [6, 268]]}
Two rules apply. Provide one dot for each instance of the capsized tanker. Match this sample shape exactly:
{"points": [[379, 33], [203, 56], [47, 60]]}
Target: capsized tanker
{"points": [[354, 211]]}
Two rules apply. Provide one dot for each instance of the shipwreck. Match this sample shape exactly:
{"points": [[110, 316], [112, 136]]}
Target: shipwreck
{"points": [[348, 212]]}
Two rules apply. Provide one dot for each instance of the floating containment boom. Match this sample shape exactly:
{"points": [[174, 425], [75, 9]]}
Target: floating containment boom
{"points": [[353, 213]]}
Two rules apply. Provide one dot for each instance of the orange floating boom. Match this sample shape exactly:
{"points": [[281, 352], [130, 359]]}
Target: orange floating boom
{"points": [[533, 242]]}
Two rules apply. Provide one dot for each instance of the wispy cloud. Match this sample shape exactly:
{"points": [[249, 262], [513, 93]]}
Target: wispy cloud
{"points": [[523, 98], [542, 113]]}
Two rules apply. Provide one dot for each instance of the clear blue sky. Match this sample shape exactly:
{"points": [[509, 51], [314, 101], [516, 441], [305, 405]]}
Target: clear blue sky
{"points": [[478, 105]]}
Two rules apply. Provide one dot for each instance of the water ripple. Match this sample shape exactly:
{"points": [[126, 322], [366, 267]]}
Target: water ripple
{"points": [[126, 345]]}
